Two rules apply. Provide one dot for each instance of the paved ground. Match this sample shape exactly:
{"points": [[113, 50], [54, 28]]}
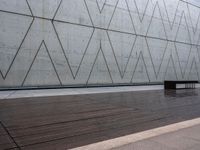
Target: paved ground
{"points": [[75, 91], [185, 139], [63, 122]]}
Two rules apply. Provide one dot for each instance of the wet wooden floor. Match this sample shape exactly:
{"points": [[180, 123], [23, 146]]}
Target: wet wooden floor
{"points": [[62, 122]]}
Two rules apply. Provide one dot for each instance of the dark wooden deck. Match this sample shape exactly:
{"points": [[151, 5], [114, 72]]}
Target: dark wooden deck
{"points": [[63, 122]]}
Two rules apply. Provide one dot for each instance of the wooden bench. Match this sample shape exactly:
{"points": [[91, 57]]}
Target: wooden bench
{"points": [[172, 84]]}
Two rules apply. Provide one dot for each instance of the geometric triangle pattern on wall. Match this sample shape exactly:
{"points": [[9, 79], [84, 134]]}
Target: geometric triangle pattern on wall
{"points": [[87, 42], [42, 70], [100, 73], [11, 38], [101, 4], [140, 74]]}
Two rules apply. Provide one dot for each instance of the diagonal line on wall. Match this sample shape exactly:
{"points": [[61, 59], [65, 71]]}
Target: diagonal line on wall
{"points": [[141, 19], [85, 52], [162, 21], [101, 9], [139, 35], [183, 70], [187, 28], [130, 56], [148, 48], [171, 24], [122, 73], [63, 49], [89, 13], [156, 5], [100, 49], [32, 63], [105, 29], [170, 58], [29, 7], [42, 43], [145, 66], [4, 77], [57, 9], [112, 15], [138, 59], [114, 54], [189, 3], [74, 75], [198, 51], [130, 16], [151, 18], [135, 68], [194, 27], [183, 15], [162, 59], [92, 67], [174, 67], [52, 63], [194, 63], [106, 62], [189, 13]]}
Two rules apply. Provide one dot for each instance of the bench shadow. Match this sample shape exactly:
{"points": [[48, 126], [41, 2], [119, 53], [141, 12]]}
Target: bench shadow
{"points": [[181, 92]]}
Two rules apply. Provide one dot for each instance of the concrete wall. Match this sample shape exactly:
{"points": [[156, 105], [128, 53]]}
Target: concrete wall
{"points": [[86, 42]]}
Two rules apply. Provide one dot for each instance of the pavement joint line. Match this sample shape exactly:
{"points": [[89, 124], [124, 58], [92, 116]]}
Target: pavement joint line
{"points": [[10, 136], [132, 138]]}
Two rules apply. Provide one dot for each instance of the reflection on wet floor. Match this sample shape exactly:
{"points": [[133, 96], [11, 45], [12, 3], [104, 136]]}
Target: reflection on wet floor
{"points": [[62, 122], [181, 93]]}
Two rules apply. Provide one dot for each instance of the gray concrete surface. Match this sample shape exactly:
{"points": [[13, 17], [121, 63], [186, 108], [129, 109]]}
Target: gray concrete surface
{"points": [[76, 91], [183, 135], [185, 139], [86, 42], [73, 91]]}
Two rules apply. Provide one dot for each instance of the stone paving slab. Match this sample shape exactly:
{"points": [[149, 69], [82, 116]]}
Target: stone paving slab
{"points": [[184, 139]]}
